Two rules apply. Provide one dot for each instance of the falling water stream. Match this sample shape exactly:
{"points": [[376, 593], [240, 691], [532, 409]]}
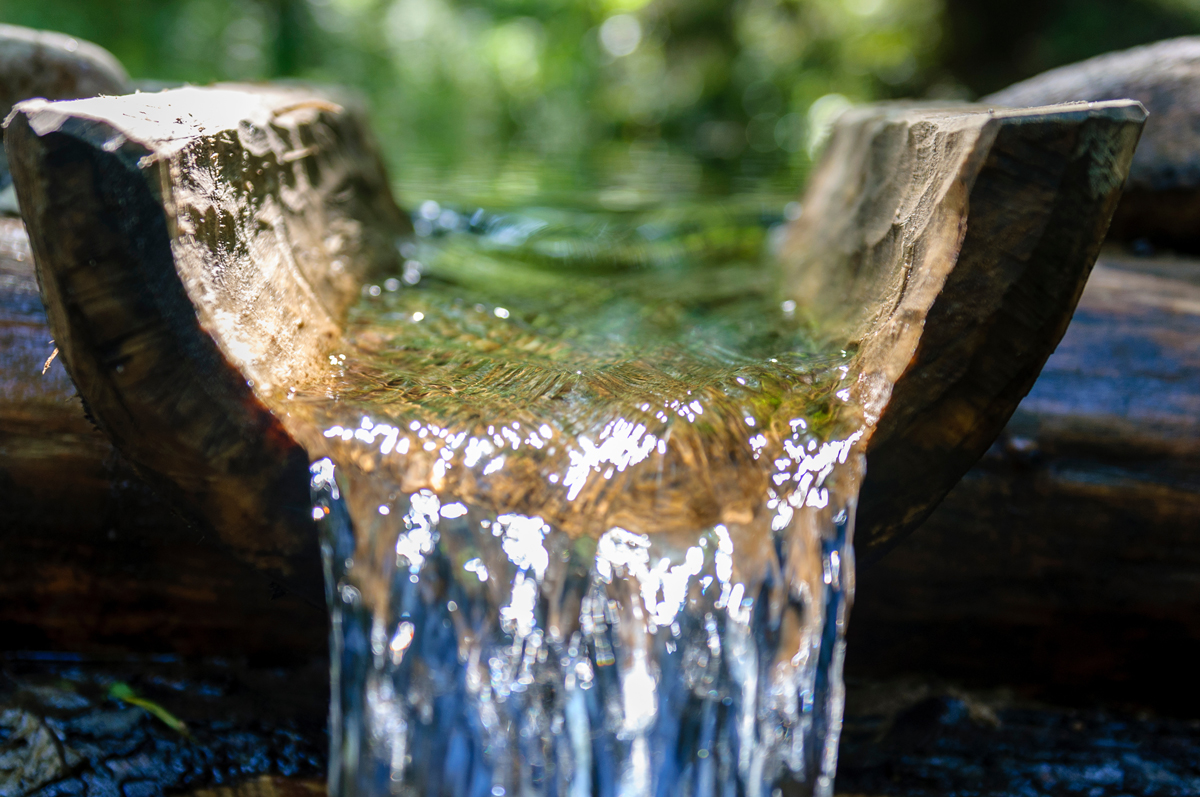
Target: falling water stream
{"points": [[586, 489]]}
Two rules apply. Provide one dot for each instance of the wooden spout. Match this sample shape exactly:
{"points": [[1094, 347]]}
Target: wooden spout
{"points": [[199, 246]]}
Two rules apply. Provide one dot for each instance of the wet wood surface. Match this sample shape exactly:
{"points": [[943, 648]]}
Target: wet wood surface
{"points": [[962, 276], [1069, 557], [1161, 202], [951, 247]]}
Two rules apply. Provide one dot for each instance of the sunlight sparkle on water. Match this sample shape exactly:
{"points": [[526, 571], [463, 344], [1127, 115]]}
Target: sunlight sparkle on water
{"points": [[583, 502]]}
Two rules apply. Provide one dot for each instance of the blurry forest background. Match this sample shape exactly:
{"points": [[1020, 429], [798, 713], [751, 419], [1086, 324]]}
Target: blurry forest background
{"points": [[685, 94]]}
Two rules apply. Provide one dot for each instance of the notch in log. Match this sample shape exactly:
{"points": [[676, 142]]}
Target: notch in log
{"points": [[186, 249]]}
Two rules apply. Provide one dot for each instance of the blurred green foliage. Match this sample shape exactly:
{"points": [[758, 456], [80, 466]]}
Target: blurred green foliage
{"points": [[747, 85]]}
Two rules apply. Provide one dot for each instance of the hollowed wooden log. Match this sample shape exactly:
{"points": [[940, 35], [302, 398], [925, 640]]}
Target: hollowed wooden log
{"points": [[150, 365], [951, 246], [1065, 560], [91, 559], [198, 246]]}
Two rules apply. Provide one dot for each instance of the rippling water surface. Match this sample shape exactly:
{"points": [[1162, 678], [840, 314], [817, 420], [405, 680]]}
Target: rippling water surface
{"points": [[586, 489]]}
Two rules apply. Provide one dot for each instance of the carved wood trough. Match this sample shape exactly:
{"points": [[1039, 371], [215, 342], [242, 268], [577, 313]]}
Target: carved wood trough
{"points": [[197, 246]]}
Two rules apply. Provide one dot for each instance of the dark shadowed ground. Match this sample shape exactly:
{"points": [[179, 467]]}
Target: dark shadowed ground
{"points": [[260, 733]]}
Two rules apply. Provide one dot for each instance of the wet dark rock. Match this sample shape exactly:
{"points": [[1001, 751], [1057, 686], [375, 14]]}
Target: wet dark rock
{"points": [[64, 737], [921, 724], [919, 739], [904, 738], [32, 755]]}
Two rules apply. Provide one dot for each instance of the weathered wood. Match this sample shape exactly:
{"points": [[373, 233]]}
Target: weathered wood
{"points": [[1066, 559], [951, 246], [140, 221], [36, 63], [287, 180], [1069, 557], [91, 560], [1161, 202]]}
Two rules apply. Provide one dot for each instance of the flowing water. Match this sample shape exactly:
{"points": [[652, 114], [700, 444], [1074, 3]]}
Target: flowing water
{"points": [[586, 490]]}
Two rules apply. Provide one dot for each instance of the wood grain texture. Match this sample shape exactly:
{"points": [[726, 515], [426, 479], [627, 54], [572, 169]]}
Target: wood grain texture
{"points": [[285, 181], [951, 246], [91, 559], [1162, 198]]}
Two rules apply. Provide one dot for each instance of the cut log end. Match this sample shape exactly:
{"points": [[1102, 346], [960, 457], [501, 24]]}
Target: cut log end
{"points": [[1162, 199], [954, 245], [115, 205]]}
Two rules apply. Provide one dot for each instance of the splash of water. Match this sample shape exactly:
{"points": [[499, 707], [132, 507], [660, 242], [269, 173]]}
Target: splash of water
{"points": [[593, 540]]}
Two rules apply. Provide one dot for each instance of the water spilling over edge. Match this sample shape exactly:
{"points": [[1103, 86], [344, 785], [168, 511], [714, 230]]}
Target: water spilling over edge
{"points": [[567, 555]]}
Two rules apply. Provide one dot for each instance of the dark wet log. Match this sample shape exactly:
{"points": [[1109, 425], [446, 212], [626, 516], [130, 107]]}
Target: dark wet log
{"points": [[951, 246], [190, 265], [35, 63], [117, 193], [91, 560], [1068, 559], [1162, 198]]}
